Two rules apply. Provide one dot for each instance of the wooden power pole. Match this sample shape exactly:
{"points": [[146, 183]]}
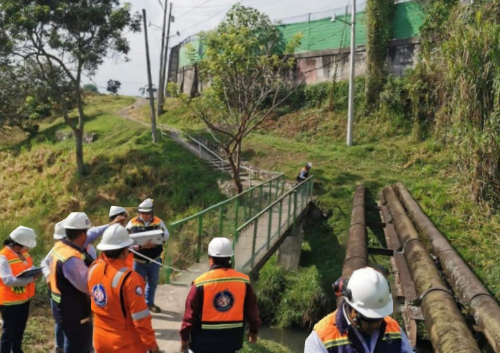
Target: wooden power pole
{"points": [[163, 53], [165, 58], [150, 84]]}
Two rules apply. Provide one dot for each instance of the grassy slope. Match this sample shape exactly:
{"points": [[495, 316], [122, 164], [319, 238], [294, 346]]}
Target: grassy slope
{"points": [[39, 185], [383, 154]]}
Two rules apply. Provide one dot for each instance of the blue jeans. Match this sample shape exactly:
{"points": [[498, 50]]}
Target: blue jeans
{"points": [[151, 273], [14, 323], [58, 331]]}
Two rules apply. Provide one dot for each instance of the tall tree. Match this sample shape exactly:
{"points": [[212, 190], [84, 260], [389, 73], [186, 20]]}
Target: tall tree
{"points": [[251, 71], [113, 86], [67, 39]]}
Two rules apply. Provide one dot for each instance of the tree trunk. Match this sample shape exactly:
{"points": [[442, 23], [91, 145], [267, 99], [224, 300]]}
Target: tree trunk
{"points": [[235, 166], [79, 136]]}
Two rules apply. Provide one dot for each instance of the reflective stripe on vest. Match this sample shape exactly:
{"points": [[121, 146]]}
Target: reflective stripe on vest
{"points": [[60, 253], [16, 295], [224, 293], [106, 278], [337, 342]]}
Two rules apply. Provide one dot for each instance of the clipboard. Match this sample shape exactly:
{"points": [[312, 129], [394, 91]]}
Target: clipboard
{"points": [[30, 273]]}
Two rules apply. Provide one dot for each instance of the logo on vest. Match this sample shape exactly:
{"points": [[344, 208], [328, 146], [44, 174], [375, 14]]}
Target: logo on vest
{"points": [[138, 290], [223, 301], [99, 295]]}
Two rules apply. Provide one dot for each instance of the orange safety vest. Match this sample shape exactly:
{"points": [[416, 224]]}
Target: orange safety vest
{"points": [[224, 292], [114, 328], [336, 341], [16, 295], [60, 254]]}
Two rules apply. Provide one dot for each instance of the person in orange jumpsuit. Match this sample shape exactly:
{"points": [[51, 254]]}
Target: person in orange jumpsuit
{"points": [[122, 321]]}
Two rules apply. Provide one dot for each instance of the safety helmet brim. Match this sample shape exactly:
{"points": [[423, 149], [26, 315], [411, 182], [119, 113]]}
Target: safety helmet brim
{"points": [[29, 243], [106, 247], [58, 237], [378, 313]]}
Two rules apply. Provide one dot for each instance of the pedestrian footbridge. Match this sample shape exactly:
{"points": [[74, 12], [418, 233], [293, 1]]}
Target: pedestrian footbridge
{"points": [[257, 220]]}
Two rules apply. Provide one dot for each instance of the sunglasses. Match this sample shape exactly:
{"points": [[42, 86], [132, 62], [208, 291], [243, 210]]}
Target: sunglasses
{"points": [[369, 320]]}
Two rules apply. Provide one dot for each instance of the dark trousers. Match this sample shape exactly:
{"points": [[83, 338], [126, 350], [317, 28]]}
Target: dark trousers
{"points": [[14, 323], [78, 339]]}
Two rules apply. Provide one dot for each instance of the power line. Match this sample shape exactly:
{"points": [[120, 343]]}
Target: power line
{"points": [[194, 8]]}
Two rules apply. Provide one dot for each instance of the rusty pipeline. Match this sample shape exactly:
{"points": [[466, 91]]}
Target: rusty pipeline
{"points": [[447, 328], [465, 284], [356, 255]]}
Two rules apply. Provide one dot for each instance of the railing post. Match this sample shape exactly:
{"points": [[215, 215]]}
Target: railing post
{"points": [[169, 270], [289, 209], [277, 189], [260, 199], [221, 216], [294, 209], [251, 204], [256, 225], [200, 230], [236, 215], [283, 186], [279, 217], [270, 189], [269, 228]]}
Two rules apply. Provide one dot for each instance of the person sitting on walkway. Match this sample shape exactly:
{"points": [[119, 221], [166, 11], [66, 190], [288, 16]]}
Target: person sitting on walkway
{"points": [[218, 304], [361, 323], [304, 173]]}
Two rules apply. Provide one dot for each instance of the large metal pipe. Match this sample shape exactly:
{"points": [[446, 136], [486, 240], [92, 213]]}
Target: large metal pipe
{"points": [[466, 285], [356, 255], [447, 328]]}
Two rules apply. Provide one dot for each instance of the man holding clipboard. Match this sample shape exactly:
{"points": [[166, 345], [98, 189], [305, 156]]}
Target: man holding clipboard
{"points": [[17, 286]]}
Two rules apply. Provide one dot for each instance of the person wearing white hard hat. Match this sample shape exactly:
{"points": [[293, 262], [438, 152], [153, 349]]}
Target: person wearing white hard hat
{"points": [[362, 323], [218, 304], [16, 293], [304, 173], [150, 271], [92, 233], [122, 321]]}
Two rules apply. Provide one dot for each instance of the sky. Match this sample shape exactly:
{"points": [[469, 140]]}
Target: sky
{"points": [[191, 17]]}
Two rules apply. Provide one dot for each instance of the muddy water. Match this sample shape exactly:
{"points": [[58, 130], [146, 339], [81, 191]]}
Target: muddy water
{"points": [[293, 339]]}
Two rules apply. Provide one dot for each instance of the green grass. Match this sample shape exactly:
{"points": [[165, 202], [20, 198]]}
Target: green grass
{"points": [[384, 153], [40, 186], [264, 346]]}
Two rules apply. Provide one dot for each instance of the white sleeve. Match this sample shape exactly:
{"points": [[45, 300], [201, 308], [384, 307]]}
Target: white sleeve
{"points": [[166, 234], [314, 345], [8, 279], [45, 265]]}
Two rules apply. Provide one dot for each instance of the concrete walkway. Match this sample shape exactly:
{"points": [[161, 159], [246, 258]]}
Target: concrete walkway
{"points": [[171, 298]]}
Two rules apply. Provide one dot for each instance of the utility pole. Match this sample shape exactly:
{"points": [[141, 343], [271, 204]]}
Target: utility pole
{"points": [[351, 78], [150, 81], [165, 59], [160, 74]]}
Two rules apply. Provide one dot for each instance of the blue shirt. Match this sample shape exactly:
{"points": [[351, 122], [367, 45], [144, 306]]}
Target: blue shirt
{"points": [[75, 269]]}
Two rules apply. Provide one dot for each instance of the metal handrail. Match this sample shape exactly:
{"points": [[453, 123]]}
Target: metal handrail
{"points": [[306, 185]]}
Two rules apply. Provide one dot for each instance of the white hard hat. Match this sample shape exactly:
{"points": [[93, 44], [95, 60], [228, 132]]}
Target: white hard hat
{"points": [[146, 206], [369, 294], [59, 231], [309, 165], [220, 247], [24, 236], [115, 210], [115, 237], [77, 220]]}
